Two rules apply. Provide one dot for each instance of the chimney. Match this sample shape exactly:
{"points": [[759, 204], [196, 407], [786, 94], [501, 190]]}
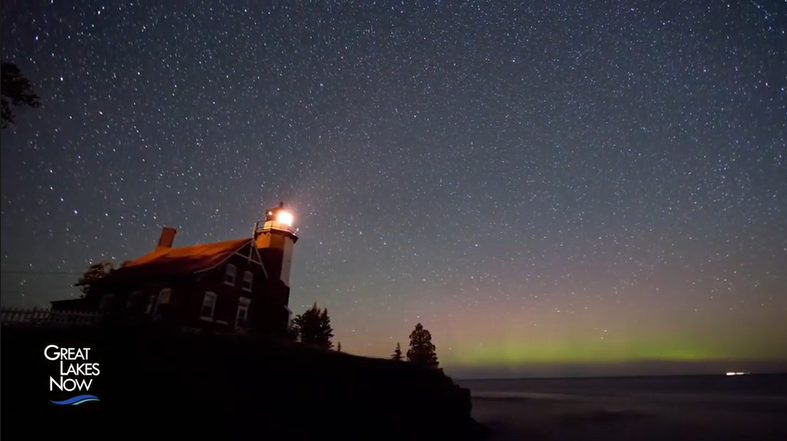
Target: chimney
{"points": [[167, 237]]}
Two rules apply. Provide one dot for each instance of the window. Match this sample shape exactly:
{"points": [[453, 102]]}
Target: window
{"points": [[162, 299], [106, 302], [229, 275], [208, 305], [248, 280], [243, 312]]}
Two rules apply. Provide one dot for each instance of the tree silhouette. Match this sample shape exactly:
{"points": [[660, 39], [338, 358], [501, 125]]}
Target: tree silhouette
{"points": [[94, 272], [422, 350], [397, 355], [339, 347], [17, 91], [326, 330], [292, 333], [314, 327]]}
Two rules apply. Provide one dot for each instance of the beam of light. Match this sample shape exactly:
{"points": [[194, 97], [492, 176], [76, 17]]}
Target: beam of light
{"points": [[284, 217]]}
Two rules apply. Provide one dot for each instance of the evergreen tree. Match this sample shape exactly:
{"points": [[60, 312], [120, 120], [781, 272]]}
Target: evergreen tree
{"points": [[17, 90], [314, 327], [292, 333], [422, 350], [339, 347], [397, 355], [93, 273], [326, 330]]}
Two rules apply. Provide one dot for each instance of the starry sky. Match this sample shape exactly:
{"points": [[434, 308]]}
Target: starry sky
{"points": [[542, 184]]}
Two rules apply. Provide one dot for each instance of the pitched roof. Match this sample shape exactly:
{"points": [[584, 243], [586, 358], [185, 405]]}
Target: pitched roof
{"points": [[178, 261]]}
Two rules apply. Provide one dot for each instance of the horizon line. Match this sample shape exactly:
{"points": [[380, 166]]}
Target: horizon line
{"points": [[615, 376]]}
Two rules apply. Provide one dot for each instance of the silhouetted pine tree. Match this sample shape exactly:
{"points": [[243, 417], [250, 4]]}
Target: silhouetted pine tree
{"points": [[397, 355], [326, 330], [422, 350], [292, 333], [314, 327], [93, 273], [17, 90], [339, 347]]}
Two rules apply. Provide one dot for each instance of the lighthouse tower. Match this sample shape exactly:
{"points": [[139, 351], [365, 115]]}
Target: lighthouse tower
{"points": [[275, 238]]}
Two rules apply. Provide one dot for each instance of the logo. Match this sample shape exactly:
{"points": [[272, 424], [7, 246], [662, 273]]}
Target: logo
{"points": [[75, 374]]}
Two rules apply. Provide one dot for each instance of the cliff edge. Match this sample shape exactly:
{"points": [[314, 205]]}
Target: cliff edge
{"points": [[158, 383]]}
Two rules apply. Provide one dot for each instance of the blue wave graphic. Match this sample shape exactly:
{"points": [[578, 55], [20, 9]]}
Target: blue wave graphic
{"points": [[77, 400]]}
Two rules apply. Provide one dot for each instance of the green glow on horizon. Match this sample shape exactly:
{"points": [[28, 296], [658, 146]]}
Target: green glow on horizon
{"points": [[647, 334], [593, 351]]}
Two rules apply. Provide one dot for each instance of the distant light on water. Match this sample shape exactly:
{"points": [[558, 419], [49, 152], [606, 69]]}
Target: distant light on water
{"points": [[730, 374]]}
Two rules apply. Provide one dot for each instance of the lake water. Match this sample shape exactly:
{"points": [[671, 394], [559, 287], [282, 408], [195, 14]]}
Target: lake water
{"points": [[748, 407]]}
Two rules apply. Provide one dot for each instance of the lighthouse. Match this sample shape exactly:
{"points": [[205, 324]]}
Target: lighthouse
{"points": [[275, 237]]}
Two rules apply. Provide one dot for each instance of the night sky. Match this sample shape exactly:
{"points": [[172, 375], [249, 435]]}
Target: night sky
{"points": [[540, 184]]}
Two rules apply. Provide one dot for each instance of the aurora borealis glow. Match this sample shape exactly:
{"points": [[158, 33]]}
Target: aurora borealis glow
{"points": [[538, 184]]}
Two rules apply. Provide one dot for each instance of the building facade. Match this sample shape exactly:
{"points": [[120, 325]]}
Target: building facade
{"points": [[238, 284]]}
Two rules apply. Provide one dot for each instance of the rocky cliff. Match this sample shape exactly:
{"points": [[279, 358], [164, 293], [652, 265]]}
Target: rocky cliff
{"points": [[157, 383]]}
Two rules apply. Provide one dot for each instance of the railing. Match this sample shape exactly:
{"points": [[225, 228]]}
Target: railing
{"points": [[47, 317], [275, 225]]}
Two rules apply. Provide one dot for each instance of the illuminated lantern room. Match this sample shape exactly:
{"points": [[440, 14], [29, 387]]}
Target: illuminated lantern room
{"points": [[278, 219]]}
